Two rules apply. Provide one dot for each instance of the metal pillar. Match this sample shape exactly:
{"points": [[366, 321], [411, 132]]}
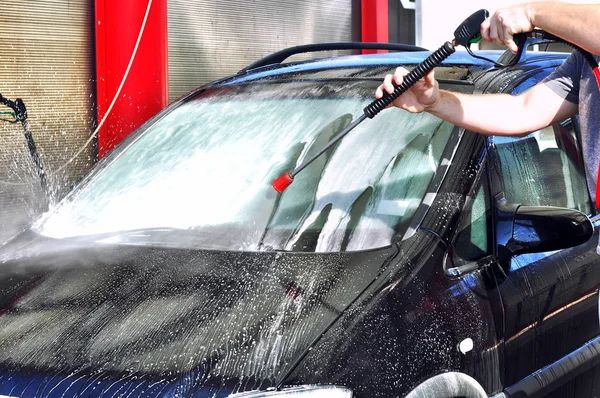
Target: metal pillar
{"points": [[374, 22]]}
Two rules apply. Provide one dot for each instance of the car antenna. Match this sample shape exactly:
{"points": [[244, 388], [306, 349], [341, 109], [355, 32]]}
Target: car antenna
{"points": [[468, 32], [18, 114]]}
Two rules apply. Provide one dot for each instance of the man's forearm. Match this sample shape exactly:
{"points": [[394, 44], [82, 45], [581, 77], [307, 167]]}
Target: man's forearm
{"points": [[576, 23], [477, 112]]}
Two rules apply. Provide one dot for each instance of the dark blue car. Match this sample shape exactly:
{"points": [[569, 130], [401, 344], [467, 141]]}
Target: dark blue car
{"points": [[413, 259]]}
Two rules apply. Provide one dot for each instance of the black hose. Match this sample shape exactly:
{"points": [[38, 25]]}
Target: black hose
{"points": [[586, 54]]}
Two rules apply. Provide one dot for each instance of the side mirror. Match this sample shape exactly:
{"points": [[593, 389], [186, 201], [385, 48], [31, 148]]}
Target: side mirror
{"points": [[535, 229]]}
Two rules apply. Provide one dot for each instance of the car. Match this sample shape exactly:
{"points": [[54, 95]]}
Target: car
{"points": [[412, 259]]}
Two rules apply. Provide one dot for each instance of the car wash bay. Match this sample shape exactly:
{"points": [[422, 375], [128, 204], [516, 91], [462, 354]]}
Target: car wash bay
{"points": [[66, 61]]}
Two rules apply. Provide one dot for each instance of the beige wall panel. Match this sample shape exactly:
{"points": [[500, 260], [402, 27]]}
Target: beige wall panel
{"points": [[46, 58], [210, 39]]}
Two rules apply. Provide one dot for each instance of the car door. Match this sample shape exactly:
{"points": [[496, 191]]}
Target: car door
{"points": [[545, 304], [550, 299]]}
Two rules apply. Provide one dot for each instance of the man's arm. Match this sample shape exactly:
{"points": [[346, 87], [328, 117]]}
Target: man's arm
{"points": [[576, 23], [490, 114], [504, 114]]}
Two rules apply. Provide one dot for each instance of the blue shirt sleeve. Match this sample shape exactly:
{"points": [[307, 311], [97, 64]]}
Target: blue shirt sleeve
{"points": [[564, 81]]}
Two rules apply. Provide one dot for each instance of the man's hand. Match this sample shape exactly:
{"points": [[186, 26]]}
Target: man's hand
{"points": [[423, 95], [505, 23]]}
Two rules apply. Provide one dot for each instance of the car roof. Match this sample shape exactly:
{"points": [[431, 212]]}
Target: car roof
{"points": [[392, 59]]}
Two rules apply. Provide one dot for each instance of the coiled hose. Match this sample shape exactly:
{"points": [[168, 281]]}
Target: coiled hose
{"points": [[435, 59]]}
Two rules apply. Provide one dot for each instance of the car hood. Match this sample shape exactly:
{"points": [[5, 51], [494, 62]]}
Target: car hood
{"points": [[197, 318]]}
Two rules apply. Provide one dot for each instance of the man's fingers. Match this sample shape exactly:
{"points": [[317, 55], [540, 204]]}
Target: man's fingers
{"points": [[502, 35], [430, 78], [485, 30], [493, 31], [505, 36], [507, 22], [399, 75], [509, 39], [387, 84], [512, 46], [389, 81]]}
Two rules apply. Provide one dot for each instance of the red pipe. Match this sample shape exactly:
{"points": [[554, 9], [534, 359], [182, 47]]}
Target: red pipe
{"points": [[597, 74], [145, 91], [374, 23]]}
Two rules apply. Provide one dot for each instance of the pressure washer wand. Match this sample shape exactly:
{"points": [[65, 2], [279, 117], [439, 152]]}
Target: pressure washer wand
{"points": [[371, 110], [283, 181], [466, 33]]}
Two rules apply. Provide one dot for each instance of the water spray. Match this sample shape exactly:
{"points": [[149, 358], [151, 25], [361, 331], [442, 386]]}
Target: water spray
{"points": [[108, 112]]}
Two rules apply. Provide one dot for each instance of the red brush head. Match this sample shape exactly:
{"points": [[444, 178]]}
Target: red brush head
{"points": [[282, 182]]}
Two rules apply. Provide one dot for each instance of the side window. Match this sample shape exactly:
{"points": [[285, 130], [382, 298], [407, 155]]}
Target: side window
{"points": [[472, 240], [544, 168]]}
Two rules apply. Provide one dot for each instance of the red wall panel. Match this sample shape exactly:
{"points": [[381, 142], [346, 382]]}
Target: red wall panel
{"points": [[374, 16], [145, 91]]}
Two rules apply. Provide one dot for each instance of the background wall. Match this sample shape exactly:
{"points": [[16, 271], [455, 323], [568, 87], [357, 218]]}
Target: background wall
{"points": [[436, 20], [211, 39], [46, 58]]}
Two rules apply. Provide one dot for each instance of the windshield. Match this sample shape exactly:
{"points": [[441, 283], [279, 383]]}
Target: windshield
{"points": [[207, 167]]}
